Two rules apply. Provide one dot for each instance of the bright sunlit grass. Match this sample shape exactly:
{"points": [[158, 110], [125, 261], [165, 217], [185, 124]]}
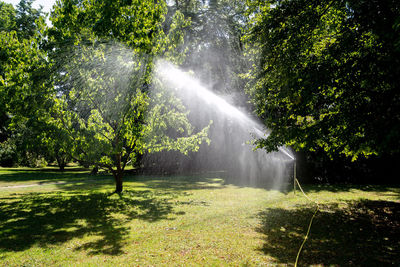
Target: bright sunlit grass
{"points": [[190, 221]]}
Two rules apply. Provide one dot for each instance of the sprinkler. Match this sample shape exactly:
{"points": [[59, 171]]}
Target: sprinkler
{"points": [[283, 150], [233, 152]]}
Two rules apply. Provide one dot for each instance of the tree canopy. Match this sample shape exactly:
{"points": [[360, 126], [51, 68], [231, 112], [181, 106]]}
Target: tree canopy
{"points": [[327, 74], [24, 85], [213, 42], [107, 98]]}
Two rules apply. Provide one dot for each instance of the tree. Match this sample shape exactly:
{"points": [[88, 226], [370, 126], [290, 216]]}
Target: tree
{"points": [[7, 17], [24, 85], [24, 90], [213, 42], [104, 52], [27, 19], [326, 75]]}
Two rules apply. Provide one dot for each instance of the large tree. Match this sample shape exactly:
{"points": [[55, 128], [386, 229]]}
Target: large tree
{"points": [[326, 74], [104, 53], [24, 85]]}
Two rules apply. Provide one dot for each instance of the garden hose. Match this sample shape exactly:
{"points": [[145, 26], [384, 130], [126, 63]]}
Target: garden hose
{"points": [[309, 225]]}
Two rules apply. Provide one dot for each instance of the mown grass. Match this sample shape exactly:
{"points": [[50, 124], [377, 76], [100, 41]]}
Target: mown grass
{"points": [[190, 221]]}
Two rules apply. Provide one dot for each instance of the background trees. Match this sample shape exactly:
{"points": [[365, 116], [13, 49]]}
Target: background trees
{"points": [[24, 85], [213, 42], [7, 17]]}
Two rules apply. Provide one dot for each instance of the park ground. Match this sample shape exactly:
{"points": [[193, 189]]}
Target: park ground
{"points": [[51, 218]]}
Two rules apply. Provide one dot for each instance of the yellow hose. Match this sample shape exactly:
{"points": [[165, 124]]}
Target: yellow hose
{"points": [[309, 225]]}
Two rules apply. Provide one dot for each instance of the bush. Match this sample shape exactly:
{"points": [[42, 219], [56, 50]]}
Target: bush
{"points": [[8, 154]]}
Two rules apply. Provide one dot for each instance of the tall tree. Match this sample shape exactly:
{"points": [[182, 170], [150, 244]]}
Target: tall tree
{"points": [[24, 87], [326, 74], [105, 55]]}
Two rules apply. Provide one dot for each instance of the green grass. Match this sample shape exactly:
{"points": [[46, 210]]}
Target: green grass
{"points": [[190, 221]]}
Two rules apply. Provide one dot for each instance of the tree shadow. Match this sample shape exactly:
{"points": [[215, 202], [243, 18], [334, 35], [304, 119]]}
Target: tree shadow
{"points": [[24, 174], [180, 183], [170, 184], [44, 219], [394, 189], [364, 233]]}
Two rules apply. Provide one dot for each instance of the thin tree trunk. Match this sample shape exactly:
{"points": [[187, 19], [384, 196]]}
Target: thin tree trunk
{"points": [[95, 170], [118, 175], [61, 163]]}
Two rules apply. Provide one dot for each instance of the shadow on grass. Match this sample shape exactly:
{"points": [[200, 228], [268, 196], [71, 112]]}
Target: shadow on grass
{"points": [[47, 174], [336, 188], [365, 233], [52, 218], [71, 179], [160, 183], [180, 182]]}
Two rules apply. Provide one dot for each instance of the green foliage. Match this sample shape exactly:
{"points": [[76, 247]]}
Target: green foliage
{"points": [[103, 54], [213, 41], [25, 87], [110, 120], [8, 155], [326, 74], [28, 19], [23, 75], [23, 64], [167, 125], [7, 17], [137, 24], [103, 111]]}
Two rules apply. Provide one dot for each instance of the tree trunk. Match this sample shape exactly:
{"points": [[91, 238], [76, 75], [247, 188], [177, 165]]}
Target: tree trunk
{"points": [[118, 175], [95, 170], [61, 163], [119, 172]]}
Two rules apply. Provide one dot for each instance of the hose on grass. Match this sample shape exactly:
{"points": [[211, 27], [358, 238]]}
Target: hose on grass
{"points": [[309, 225]]}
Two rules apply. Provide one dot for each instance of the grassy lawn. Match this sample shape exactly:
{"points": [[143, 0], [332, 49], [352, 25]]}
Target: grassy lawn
{"points": [[190, 221]]}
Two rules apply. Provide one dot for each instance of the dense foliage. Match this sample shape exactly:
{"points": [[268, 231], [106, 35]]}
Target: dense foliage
{"points": [[24, 85], [327, 74], [104, 54], [213, 42]]}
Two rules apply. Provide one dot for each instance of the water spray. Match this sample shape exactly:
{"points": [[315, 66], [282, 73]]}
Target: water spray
{"points": [[283, 150], [185, 84], [231, 134]]}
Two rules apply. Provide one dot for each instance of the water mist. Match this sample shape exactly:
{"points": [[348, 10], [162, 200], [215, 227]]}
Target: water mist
{"points": [[231, 135]]}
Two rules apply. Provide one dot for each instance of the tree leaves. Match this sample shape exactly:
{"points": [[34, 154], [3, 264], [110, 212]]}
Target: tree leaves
{"points": [[107, 98], [322, 76]]}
